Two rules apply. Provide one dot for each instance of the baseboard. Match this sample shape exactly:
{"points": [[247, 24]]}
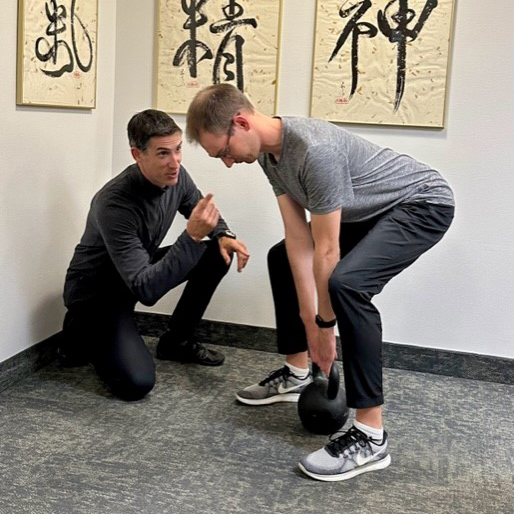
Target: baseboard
{"points": [[26, 362], [397, 356]]}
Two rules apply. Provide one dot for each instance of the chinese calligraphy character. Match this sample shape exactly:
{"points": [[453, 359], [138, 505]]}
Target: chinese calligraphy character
{"points": [[397, 31], [57, 15], [188, 49], [356, 30], [401, 34], [232, 11]]}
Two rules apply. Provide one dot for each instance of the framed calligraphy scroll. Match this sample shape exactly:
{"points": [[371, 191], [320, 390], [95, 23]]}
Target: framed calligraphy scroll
{"points": [[382, 61], [201, 42], [57, 53]]}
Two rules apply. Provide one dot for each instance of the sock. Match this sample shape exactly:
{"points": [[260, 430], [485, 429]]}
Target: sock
{"points": [[298, 372], [376, 434]]}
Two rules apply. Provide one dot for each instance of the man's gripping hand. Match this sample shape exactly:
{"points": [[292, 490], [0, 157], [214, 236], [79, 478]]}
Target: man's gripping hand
{"points": [[204, 217]]}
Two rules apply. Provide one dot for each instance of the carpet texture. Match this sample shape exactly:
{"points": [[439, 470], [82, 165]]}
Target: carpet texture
{"points": [[68, 446]]}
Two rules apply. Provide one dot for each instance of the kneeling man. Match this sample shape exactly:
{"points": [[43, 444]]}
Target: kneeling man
{"points": [[118, 262]]}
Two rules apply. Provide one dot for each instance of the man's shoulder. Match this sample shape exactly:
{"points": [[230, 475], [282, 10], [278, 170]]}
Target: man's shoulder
{"points": [[119, 188], [311, 133]]}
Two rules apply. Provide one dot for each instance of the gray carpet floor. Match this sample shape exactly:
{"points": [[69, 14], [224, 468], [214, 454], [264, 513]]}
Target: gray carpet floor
{"points": [[68, 446]]}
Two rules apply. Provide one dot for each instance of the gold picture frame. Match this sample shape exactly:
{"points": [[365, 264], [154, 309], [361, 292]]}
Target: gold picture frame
{"points": [[57, 53], [201, 43], [382, 61]]}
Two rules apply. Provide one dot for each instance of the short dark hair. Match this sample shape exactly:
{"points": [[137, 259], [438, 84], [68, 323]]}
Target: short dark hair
{"points": [[147, 124]]}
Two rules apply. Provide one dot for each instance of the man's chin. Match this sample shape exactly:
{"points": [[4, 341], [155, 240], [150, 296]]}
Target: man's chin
{"points": [[172, 181]]}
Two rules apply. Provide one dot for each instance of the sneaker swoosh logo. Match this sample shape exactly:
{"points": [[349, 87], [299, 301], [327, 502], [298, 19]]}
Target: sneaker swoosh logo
{"points": [[282, 390], [360, 460]]}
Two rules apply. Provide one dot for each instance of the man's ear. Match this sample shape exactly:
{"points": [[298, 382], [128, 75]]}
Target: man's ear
{"points": [[241, 120], [136, 153]]}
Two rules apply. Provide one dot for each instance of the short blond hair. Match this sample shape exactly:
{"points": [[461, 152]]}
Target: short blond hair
{"points": [[212, 110]]}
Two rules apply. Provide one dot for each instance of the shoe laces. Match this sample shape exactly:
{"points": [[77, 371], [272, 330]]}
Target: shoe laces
{"points": [[199, 349], [350, 440], [280, 374]]}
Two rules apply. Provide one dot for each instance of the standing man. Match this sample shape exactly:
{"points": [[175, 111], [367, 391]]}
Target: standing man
{"points": [[373, 212], [118, 262]]}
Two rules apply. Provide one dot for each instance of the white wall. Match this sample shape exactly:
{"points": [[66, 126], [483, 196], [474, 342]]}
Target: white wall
{"points": [[460, 295], [52, 161]]}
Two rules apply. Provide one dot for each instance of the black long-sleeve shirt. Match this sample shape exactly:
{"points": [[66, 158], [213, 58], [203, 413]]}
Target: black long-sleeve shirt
{"points": [[128, 220]]}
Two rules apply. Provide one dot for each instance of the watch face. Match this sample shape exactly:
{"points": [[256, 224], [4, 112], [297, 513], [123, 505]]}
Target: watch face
{"points": [[228, 233]]}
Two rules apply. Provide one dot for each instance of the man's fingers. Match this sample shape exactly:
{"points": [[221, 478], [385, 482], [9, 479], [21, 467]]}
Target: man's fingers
{"points": [[213, 217], [205, 203], [242, 259], [225, 255]]}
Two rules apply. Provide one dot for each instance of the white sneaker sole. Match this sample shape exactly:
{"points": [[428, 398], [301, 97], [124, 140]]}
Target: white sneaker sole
{"points": [[286, 397], [372, 466]]}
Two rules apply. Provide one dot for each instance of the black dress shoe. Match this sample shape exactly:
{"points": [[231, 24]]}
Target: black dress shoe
{"points": [[189, 351]]}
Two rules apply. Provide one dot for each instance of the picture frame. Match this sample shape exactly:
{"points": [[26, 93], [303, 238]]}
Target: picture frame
{"points": [[57, 53], [201, 43], [382, 61]]}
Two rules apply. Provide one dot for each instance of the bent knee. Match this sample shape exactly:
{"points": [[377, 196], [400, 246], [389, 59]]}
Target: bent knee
{"points": [[277, 254], [134, 386], [346, 283]]}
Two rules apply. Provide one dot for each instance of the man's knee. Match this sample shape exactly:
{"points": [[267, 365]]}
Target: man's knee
{"points": [[344, 283], [129, 383], [277, 256], [133, 387]]}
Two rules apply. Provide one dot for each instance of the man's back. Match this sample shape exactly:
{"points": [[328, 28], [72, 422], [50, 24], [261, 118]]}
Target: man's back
{"points": [[324, 167]]}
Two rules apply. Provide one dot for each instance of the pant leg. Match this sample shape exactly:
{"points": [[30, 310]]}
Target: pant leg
{"points": [[109, 337], [291, 336], [202, 282], [395, 241]]}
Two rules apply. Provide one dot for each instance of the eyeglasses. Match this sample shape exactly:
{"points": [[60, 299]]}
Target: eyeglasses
{"points": [[226, 149]]}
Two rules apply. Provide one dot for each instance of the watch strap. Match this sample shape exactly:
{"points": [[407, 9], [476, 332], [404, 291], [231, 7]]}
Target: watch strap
{"points": [[325, 324]]}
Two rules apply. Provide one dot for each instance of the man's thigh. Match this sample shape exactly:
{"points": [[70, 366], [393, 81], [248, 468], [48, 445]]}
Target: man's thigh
{"points": [[393, 243]]}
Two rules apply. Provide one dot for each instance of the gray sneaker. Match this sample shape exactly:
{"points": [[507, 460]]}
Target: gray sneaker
{"points": [[346, 456], [279, 386]]}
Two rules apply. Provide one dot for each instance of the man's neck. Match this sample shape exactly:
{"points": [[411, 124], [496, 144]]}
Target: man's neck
{"points": [[271, 135]]}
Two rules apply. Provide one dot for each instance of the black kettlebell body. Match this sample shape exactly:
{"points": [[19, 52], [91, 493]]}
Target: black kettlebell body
{"points": [[322, 404]]}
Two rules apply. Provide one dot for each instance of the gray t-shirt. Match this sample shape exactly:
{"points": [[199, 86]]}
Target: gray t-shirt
{"points": [[324, 167]]}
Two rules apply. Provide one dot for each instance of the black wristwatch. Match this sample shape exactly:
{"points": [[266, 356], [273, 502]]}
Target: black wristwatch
{"points": [[325, 324], [226, 233]]}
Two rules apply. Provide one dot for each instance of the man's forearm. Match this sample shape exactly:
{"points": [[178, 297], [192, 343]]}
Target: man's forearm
{"points": [[300, 254], [324, 262]]}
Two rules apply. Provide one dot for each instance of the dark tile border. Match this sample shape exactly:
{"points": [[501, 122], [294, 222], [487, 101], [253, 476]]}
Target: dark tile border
{"points": [[28, 361], [397, 356]]}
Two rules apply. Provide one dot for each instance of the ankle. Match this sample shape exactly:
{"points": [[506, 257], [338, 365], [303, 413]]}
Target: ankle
{"points": [[371, 416], [298, 372], [376, 434], [299, 360]]}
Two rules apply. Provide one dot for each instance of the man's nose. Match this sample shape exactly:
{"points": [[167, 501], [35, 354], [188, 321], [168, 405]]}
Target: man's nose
{"points": [[174, 161], [228, 161]]}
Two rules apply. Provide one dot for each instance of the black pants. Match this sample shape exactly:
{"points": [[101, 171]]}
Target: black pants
{"points": [[372, 253], [105, 333]]}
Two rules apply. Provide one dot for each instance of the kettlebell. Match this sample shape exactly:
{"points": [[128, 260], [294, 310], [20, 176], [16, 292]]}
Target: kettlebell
{"points": [[322, 404]]}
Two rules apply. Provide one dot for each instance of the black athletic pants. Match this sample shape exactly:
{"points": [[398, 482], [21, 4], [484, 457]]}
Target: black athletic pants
{"points": [[105, 331], [372, 253]]}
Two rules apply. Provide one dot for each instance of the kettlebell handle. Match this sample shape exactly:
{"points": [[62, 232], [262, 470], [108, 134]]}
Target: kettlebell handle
{"points": [[333, 379]]}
